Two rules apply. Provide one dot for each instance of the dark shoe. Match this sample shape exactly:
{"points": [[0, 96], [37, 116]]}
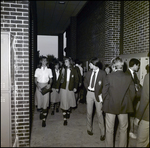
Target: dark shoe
{"points": [[90, 133], [52, 113], [41, 115], [67, 116], [43, 123], [57, 110], [102, 138], [65, 122]]}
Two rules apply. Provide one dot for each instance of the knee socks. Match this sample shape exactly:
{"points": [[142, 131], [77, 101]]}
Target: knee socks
{"points": [[52, 106]]}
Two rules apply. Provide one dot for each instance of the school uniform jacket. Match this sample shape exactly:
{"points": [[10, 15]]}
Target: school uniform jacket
{"points": [[143, 110], [73, 81], [99, 82], [118, 93], [54, 81]]}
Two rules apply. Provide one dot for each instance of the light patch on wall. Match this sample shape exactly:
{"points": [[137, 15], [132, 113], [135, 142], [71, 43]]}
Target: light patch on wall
{"points": [[47, 45]]}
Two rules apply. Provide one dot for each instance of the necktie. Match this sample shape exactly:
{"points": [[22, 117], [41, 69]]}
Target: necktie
{"points": [[93, 79], [135, 78]]}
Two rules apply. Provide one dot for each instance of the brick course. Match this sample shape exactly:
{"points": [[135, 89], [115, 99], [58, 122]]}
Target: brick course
{"points": [[14, 19]]}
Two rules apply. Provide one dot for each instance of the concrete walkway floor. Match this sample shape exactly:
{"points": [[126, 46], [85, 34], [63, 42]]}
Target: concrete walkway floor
{"points": [[55, 134]]}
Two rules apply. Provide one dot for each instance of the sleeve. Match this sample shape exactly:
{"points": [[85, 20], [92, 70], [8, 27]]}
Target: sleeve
{"points": [[144, 98], [50, 73], [105, 90], [85, 82], [36, 73], [76, 78]]}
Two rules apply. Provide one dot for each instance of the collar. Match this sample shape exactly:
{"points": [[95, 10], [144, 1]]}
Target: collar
{"points": [[43, 68], [97, 70]]}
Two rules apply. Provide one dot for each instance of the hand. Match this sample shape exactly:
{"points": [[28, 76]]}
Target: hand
{"points": [[57, 90], [136, 121], [74, 89], [48, 86]]}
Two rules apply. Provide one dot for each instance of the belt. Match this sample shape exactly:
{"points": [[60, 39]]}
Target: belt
{"points": [[91, 90]]}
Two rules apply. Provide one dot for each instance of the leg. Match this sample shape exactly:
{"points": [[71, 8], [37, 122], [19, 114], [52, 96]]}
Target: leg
{"points": [[52, 108], [131, 133], [64, 116], [44, 117], [100, 118], [110, 122], [90, 102], [143, 134], [123, 125], [45, 105], [57, 107]]}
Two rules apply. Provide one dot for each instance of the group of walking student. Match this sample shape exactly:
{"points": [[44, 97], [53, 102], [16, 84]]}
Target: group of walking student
{"points": [[114, 91]]}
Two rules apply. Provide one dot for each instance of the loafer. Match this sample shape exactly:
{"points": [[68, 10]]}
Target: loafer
{"points": [[43, 123], [89, 132], [102, 138], [65, 122]]}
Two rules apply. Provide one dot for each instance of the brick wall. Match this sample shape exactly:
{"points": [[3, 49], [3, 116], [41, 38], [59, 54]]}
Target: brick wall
{"points": [[15, 19], [91, 31], [103, 32], [136, 27], [112, 30]]}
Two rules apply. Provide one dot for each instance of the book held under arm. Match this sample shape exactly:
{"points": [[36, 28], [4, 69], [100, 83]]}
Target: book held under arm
{"points": [[44, 90]]}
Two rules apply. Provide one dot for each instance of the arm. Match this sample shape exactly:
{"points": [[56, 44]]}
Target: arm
{"points": [[86, 81], [76, 80], [105, 90]]}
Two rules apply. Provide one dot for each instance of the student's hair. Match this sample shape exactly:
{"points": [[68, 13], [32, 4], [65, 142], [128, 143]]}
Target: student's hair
{"points": [[69, 59], [118, 63], [108, 66], [95, 61], [133, 62]]}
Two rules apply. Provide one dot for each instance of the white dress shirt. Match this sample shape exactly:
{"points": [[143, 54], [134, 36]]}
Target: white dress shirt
{"points": [[57, 73], [68, 74], [92, 89]]}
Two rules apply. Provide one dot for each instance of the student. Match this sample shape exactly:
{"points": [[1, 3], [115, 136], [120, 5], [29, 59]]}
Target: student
{"points": [[134, 65], [93, 83], [43, 77], [68, 82], [55, 97], [118, 93], [142, 115]]}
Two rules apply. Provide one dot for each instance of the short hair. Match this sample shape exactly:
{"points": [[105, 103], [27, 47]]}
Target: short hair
{"points": [[95, 61], [40, 60], [108, 66], [133, 62], [118, 63]]}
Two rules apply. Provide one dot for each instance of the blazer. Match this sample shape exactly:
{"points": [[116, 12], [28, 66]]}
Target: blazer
{"points": [[73, 82], [54, 81], [118, 93], [137, 93], [99, 82], [143, 110]]}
